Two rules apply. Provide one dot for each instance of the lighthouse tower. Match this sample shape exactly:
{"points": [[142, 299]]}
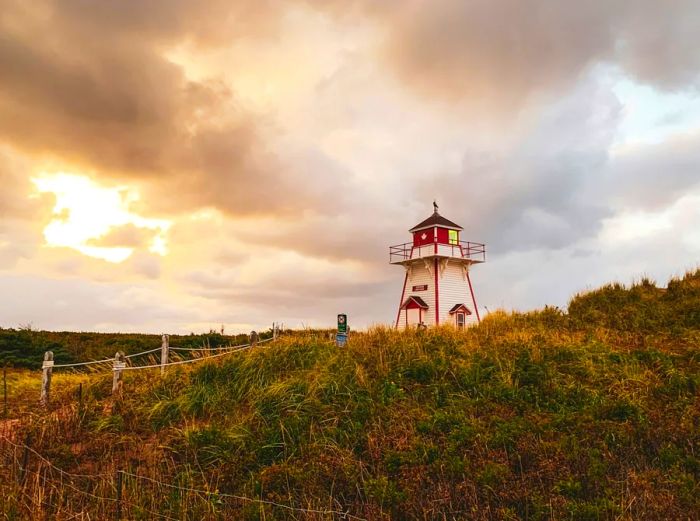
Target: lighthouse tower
{"points": [[437, 288]]}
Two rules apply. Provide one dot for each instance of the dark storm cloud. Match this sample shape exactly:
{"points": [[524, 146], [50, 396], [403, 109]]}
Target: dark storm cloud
{"points": [[88, 81], [499, 54], [95, 89]]}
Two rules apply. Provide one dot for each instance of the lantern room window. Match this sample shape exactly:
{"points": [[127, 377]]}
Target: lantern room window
{"points": [[454, 237]]}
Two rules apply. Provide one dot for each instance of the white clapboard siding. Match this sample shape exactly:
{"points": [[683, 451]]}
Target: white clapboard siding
{"points": [[454, 289], [419, 275]]}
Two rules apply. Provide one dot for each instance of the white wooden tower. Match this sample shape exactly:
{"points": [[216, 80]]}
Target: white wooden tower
{"points": [[437, 288]]}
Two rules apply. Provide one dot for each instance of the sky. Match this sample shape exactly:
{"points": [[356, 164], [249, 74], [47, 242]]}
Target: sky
{"points": [[172, 166]]}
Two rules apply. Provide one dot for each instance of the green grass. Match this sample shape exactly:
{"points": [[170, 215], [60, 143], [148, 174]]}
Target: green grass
{"points": [[590, 414]]}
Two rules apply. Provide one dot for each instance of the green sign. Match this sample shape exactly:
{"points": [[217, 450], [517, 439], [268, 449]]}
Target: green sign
{"points": [[342, 323]]}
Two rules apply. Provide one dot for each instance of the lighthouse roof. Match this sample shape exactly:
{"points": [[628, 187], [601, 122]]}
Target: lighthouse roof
{"points": [[435, 220]]}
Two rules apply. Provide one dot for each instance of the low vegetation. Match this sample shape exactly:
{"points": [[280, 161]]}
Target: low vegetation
{"points": [[589, 414], [25, 347]]}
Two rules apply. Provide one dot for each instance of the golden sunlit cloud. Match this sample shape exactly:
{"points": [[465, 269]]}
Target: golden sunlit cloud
{"points": [[86, 212]]}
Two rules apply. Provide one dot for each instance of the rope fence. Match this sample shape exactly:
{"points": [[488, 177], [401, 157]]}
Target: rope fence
{"points": [[120, 361], [233, 349], [105, 360]]}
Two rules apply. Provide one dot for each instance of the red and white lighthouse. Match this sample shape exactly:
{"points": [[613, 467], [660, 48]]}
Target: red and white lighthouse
{"points": [[437, 288]]}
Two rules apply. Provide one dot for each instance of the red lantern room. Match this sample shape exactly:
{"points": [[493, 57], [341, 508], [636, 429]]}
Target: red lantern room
{"points": [[437, 285]]}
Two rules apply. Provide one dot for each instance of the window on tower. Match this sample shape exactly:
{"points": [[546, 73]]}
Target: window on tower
{"points": [[454, 239]]}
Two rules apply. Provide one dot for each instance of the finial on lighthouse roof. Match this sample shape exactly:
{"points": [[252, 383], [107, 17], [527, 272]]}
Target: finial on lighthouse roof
{"points": [[435, 205]]}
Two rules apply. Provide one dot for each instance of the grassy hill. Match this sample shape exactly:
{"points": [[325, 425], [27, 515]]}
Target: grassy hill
{"points": [[592, 414]]}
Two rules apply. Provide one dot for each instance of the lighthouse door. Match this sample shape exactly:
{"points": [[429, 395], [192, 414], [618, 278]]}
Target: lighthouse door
{"points": [[413, 316]]}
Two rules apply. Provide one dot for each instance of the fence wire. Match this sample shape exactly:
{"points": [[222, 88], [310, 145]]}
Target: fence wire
{"points": [[48, 480], [150, 351]]}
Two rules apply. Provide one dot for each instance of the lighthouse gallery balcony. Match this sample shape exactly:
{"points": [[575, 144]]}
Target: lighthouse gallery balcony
{"points": [[473, 252]]}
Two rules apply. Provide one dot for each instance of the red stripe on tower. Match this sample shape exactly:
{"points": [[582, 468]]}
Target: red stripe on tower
{"points": [[437, 295], [476, 309], [403, 291]]}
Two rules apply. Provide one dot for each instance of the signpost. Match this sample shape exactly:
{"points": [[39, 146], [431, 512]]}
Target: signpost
{"points": [[341, 337]]}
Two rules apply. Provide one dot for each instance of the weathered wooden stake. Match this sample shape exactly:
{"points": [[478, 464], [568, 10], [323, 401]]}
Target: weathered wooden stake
{"points": [[47, 369], [119, 364], [25, 459], [119, 496], [164, 353], [253, 338]]}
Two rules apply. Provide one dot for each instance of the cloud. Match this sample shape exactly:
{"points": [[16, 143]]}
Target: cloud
{"points": [[20, 209], [499, 55], [541, 190], [15, 195], [48, 303], [655, 175], [290, 145], [128, 235], [97, 90]]}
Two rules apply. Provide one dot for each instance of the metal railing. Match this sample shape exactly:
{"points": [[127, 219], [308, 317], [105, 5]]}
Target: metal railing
{"points": [[474, 251]]}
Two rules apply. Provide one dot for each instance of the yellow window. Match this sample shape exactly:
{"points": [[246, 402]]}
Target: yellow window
{"points": [[453, 237]]}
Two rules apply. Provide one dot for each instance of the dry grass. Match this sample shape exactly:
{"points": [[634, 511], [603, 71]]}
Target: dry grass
{"points": [[539, 416]]}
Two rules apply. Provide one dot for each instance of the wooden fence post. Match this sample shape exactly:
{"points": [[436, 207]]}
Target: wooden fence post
{"points": [[119, 496], [253, 338], [25, 460], [164, 353], [119, 364], [47, 369]]}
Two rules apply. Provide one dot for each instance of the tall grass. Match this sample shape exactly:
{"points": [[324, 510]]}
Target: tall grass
{"points": [[589, 414]]}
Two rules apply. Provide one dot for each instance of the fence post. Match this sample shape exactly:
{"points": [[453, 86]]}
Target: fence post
{"points": [[119, 496], [25, 460], [164, 353], [47, 369], [119, 364], [253, 338]]}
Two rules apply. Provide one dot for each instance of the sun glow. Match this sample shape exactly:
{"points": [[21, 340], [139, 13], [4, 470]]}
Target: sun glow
{"points": [[87, 213]]}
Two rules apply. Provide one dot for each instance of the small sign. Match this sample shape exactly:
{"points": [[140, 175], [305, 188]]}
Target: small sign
{"points": [[422, 287], [341, 339], [342, 323]]}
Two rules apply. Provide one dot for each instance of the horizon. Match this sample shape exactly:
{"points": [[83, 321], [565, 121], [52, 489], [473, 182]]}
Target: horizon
{"points": [[172, 167], [365, 329]]}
